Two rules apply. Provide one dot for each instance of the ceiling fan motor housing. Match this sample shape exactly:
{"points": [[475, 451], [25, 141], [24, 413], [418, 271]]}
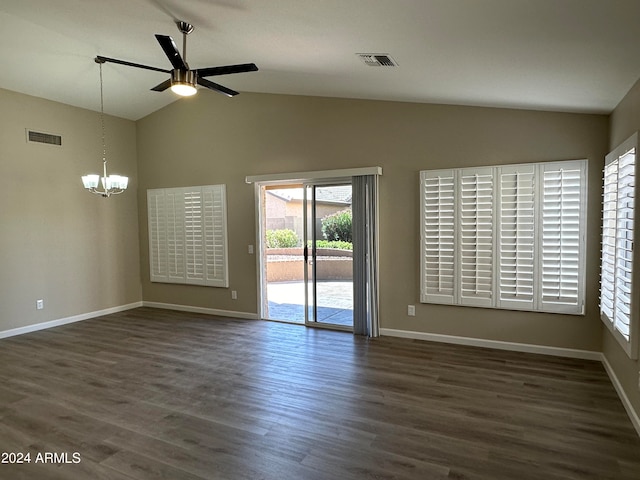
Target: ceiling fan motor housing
{"points": [[183, 77]]}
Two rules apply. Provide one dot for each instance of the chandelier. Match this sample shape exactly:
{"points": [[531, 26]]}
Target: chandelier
{"points": [[111, 184]]}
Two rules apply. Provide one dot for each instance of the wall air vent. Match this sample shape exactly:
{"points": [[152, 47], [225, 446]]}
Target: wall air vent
{"points": [[41, 137], [377, 59]]}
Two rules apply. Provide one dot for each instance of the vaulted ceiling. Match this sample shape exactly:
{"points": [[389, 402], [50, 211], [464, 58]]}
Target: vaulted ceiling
{"points": [[564, 55]]}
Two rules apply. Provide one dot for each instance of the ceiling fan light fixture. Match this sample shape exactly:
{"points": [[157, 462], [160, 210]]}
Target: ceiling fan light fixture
{"points": [[183, 82], [183, 89]]}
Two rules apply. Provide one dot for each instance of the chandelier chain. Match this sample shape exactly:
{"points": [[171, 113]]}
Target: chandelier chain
{"points": [[104, 148]]}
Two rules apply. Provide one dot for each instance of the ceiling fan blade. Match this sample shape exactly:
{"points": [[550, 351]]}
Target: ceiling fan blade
{"points": [[227, 69], [171, 51], [130, 64], [161, 87], [217, 88]]}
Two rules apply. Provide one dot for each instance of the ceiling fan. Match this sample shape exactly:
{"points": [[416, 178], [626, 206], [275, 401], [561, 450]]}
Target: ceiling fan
{"points": [[183, 80]]}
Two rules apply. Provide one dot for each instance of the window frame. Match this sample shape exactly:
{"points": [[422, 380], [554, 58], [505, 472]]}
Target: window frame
{"points": [[610, 223], [502, 178]]}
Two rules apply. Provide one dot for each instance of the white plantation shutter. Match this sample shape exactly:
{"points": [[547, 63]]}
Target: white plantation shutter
{"points": [[187, 235], [157, 219], [617, 273], [516, 249], [608, 266], [194, 236], [562, 236], [476, 236], [174, 202], [215, 233], [438, 236], [624, 243], [509, 236]]}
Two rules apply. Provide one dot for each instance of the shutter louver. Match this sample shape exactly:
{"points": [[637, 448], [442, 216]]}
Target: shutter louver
{"points": [[476, 237], [561, 238], [516, 229], [438, 212]]}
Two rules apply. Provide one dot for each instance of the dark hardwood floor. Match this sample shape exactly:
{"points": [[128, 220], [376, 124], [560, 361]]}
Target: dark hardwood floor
{"points": [[154, 394]]}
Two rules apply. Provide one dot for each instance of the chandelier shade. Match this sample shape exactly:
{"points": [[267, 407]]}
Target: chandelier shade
{"points": [[106, 185]]}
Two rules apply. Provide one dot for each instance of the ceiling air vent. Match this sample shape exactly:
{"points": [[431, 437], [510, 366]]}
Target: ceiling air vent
{"points": [[41, 137], [377, 59]]}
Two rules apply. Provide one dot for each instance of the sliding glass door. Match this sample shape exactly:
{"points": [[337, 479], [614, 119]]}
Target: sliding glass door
{"points": [[306, 254], [328, 255]]}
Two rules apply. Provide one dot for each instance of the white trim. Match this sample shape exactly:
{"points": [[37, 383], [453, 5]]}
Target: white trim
{"points": [[315, 175], [259, 251], [63, 321], [497, 344], [633, 416], [207, 311]]}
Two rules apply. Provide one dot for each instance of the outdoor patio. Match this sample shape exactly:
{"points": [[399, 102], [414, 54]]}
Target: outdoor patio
{"points": [[335, 302]]}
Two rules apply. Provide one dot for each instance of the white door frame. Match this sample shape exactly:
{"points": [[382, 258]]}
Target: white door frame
{"points": [[304, 178]]}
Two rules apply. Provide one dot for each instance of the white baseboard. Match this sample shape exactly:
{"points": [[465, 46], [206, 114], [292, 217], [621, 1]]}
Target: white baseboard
{"points": [[633, 415], [63, 321], [206, 311], [497, 344]]}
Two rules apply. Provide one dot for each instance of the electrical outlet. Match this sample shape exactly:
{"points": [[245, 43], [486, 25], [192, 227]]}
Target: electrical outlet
{"points": [[234, 295], [411, 310], [39, 304], [250, 249]]}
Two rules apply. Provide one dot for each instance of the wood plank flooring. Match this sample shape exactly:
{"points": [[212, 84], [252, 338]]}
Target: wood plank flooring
{"points": [[154, 394]]}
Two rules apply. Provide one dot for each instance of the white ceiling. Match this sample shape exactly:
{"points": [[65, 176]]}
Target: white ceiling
{"points": [[566, 55]]}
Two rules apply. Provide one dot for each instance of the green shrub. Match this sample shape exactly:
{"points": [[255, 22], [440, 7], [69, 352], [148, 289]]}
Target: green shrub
{"points": [[284, 238], [334, 244], [337, 226]]}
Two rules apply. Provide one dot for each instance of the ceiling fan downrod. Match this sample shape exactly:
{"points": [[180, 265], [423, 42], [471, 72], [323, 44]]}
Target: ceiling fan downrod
{"points": [[186, 28]]}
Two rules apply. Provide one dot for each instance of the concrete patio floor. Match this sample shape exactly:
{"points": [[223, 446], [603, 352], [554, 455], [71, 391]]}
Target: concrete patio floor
{"points": [[335, 302]]}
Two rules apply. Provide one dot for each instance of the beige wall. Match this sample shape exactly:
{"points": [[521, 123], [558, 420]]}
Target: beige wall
{"points": [[211, 139], [624, 121], [76, 251]]}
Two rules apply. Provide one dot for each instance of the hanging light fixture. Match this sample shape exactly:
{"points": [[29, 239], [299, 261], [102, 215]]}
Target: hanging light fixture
{"points": [[111, 184]]}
